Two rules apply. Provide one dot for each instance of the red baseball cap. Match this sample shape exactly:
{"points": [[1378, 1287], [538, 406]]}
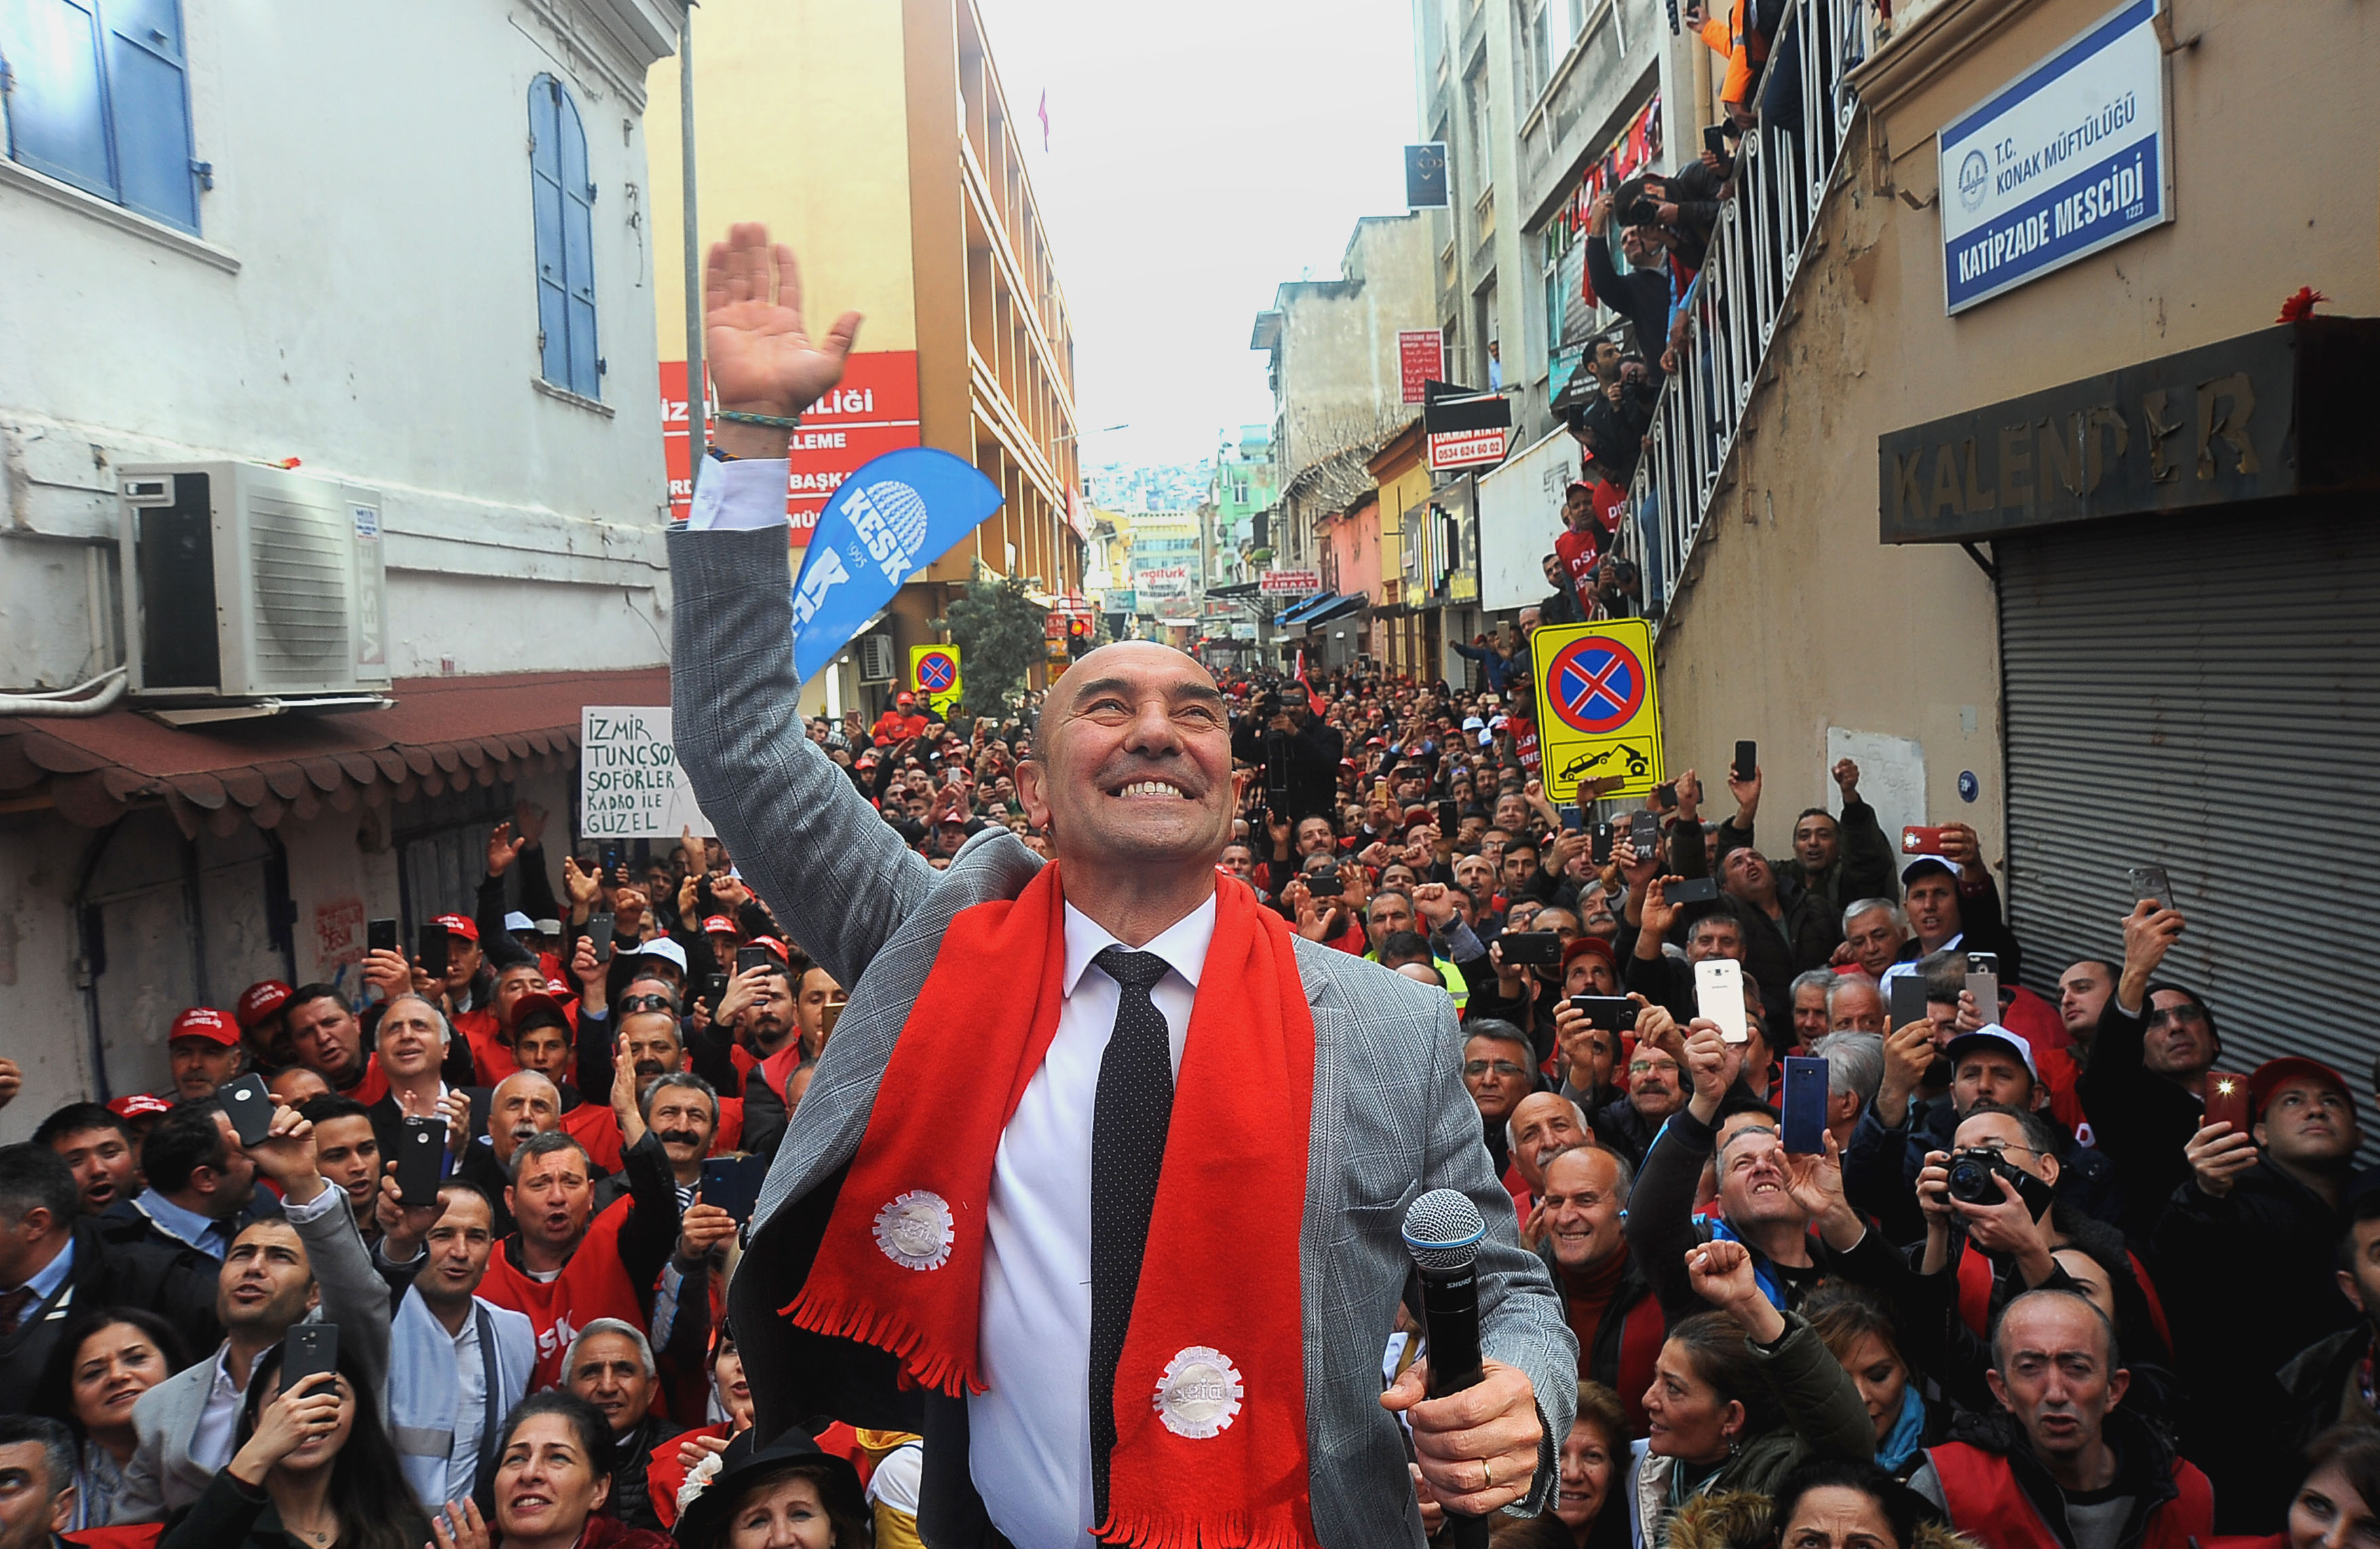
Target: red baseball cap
{"points": [[773, 944], [259, 1001], [1590, 947], [204, 1021], [719, 925], [139, 1104], [2271, 1076], [541, 1004], [905, 697], [458, 925]]}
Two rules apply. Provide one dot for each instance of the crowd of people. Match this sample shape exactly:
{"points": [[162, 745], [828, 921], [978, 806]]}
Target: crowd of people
{"points": [[2046, 1275]]}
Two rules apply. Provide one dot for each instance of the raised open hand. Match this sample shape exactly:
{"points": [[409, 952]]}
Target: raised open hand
{"points": [[761, 358]]}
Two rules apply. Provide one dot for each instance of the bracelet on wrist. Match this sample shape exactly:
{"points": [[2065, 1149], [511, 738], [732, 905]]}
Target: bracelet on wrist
{"points": [[772, 422]]}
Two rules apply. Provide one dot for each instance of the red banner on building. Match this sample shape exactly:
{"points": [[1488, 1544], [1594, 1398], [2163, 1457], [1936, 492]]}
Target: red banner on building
{"points": [[1421, 358], [873, 411]]}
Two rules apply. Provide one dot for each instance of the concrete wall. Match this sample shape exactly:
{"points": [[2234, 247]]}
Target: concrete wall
{"points": [[1796, 618], [342, 867], [362, 297], [1337, 380]]}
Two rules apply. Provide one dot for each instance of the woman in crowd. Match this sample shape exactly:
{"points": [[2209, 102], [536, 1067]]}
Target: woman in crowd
{"points": [[1858, 1330], [554, 1469], [2338, 1504], [104, 1362], [731, 1399], [1739, 1397], [1828, 1503], [787, 1495], [312, 1469], [1589, 1515]]}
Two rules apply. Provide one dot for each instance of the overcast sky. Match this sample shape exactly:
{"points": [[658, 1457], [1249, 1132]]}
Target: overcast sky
{"points": [[1198, 156]]}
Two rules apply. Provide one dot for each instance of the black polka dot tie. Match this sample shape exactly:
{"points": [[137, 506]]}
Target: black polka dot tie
{"points": [[1128, 1122]]}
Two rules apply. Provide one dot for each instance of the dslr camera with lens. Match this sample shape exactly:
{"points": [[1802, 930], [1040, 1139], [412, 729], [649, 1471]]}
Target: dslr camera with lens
{"points": [[1975, 1175]]}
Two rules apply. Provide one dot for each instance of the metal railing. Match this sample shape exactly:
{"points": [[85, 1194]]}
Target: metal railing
{"points": [[1744, 293]]}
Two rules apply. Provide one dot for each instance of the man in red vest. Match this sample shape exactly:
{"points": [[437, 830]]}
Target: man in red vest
{"points": [[567, 1264], [2061, 1466]]}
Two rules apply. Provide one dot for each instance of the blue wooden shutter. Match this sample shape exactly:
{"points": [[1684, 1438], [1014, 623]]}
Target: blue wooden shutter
{"points": [[148, 110], [545, 197], [57, 96], [579, 248]]}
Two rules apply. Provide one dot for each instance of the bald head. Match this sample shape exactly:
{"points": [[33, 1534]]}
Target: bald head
{"points": [[1131, 772], [523, 1104]]}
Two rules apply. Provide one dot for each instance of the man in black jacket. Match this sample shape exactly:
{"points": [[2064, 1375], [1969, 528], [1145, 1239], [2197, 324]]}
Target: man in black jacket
{"points": [[1839, 861], [1641, 296], [2144, 1087], [1311, 746], [1952, 902], [2258, 1224], [55, 1263]]}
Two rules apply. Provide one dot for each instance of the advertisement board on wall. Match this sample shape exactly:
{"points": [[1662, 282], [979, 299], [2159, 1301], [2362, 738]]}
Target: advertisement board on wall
{"points": [[1519, 515], [1421, 359], [873, 411]]}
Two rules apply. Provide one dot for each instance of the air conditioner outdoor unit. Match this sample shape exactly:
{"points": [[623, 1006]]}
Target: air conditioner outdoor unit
{"points": [[876, 659], [252, 584]]}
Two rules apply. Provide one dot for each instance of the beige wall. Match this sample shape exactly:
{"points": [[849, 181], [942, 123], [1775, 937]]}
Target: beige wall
{"points": [[801, 121], [1800, 619]]}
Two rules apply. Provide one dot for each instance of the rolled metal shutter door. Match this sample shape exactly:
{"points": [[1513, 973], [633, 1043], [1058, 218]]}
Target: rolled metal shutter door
{"points": [[2204, 694]]}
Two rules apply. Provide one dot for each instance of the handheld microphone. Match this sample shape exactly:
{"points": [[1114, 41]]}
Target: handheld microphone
{"points": [[1442, 1231]]}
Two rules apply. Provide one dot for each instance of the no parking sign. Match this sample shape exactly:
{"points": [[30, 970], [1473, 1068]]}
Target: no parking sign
{"points": [[934, 673], [1598, 707]]}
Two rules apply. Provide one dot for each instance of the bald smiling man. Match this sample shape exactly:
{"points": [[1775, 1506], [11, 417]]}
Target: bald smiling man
{"points": [[1099, 1180]]}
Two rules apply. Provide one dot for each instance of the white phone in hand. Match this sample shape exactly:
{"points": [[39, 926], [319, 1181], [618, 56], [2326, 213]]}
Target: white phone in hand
{"points": [[1719, 998]]}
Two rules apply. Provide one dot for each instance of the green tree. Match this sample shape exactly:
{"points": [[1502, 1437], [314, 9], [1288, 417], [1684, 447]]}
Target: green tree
{"points": [[998, 629]]}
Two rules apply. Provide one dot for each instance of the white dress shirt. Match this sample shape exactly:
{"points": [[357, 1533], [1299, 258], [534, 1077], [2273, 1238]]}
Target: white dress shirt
{"points": [[1030, 1434], [211, 1439], [470, 1410]]}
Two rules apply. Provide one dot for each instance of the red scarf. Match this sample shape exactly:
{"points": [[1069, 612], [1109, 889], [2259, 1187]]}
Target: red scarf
{"points": [[901, 1264]]}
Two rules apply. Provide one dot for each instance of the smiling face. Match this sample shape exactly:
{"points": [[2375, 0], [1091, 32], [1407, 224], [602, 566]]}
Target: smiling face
{"points": [[546, 1485], [114, 1365], [1589, 1459], [1816, 840], [459, 1244], [2330, 1513], [1133, 763], [1583, 1205]]}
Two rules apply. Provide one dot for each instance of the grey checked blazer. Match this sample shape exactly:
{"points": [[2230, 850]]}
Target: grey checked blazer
{"points": [[1392, 1119]]}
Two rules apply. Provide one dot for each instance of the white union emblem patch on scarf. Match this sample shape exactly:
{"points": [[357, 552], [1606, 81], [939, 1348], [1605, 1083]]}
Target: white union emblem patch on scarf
{"points": [[916, 1230], [1199, 1395]]}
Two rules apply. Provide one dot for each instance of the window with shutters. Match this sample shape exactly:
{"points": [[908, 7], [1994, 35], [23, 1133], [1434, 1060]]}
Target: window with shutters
{"points": [[97, 93], [564, 199]]}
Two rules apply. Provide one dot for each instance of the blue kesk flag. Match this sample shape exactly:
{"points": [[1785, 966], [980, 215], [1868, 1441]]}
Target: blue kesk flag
{"points": [[898, 514]]}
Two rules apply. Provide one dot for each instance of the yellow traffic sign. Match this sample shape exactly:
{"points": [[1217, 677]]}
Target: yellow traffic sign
{"points": [[934, 673], [1598, 709]]}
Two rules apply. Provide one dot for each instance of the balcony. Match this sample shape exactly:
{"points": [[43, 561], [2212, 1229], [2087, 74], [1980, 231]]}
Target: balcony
{"points": [[1766, 235]]}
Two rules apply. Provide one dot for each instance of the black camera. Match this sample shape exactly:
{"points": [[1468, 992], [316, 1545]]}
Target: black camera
{"points": [[1975, 1180]]}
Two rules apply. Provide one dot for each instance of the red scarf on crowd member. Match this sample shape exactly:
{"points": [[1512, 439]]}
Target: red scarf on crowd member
{"points": [[1233, 1172]]}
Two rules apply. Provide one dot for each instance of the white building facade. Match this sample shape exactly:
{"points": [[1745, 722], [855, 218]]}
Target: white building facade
{"points": [[407, 248]]}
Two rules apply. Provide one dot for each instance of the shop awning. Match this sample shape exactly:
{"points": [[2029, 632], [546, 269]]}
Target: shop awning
{"points": [[1301, 612], [1320, 610], [442, 734]]}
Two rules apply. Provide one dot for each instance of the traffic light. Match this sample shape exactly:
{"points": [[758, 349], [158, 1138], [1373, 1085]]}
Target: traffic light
{"points": [[1078, 636]]}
